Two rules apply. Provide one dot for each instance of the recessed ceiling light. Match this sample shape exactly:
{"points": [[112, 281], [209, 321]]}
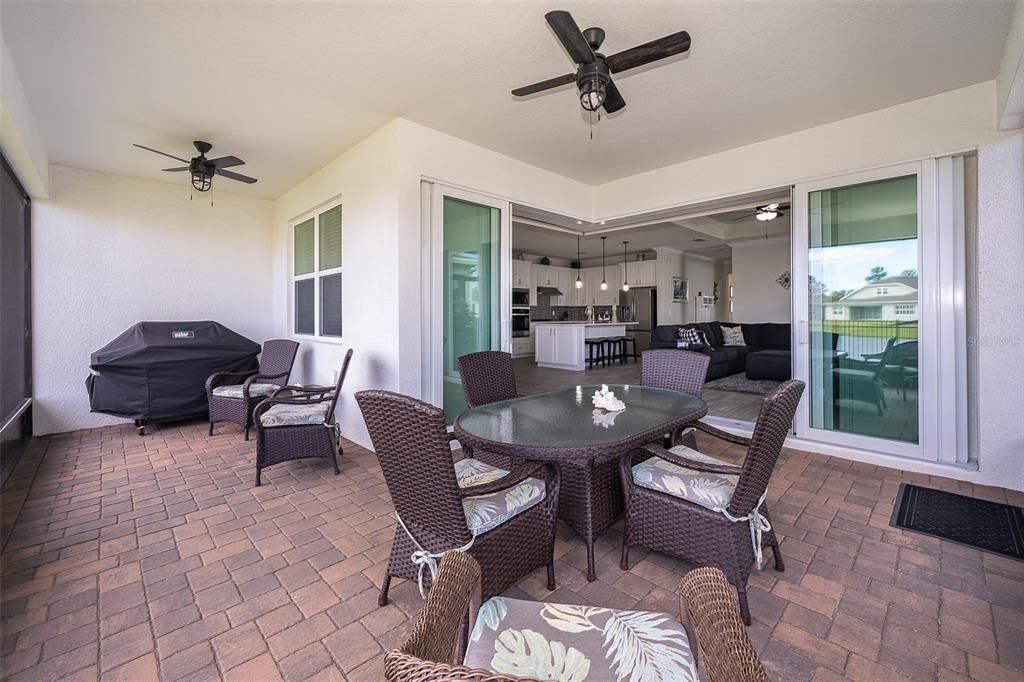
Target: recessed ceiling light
{"points": [[602, 222], [579, 222]]}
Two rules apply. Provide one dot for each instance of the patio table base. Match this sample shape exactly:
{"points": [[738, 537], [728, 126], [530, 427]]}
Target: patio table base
{"points": [[590, 501]]}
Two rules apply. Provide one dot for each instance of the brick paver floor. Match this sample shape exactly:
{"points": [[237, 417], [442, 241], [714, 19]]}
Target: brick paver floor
{"points": [[155, 557]]}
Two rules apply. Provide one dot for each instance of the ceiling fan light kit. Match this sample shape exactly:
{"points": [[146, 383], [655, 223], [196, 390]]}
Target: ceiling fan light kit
{"points": [[593, 69], [201, 169]]}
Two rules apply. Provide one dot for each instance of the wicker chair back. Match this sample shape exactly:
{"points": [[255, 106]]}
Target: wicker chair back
{"points": [[411, 442], [726, 653], [277, 358], [337, 389], [773, 424], [487, 377], [677, 370]]}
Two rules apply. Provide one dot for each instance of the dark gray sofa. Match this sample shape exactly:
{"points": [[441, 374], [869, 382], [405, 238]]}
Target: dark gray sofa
{"points": [[728, 360]]}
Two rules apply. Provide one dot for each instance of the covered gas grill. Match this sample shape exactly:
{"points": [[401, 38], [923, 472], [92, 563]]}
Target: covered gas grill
{"points": [[156, 371]]}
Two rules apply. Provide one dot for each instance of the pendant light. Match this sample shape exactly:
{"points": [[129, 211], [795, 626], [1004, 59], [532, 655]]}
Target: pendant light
{"points": [[604, 280], [625, 257], [579, 282]]}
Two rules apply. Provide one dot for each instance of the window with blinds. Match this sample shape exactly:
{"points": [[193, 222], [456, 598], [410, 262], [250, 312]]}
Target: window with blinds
{"points": [[317, 275]]}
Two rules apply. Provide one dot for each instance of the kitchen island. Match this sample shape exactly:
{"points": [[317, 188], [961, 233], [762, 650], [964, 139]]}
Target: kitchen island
{"points": [[562, 345]]}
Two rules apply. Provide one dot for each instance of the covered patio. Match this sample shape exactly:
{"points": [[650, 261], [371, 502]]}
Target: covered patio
{"points": [[143, 558]]}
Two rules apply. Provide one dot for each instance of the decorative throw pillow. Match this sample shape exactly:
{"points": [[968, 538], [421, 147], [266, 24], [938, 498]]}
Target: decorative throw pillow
{"points": [[691, 337], [733, 336]]}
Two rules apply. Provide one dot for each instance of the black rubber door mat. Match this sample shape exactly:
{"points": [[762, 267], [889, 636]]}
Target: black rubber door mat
{"points": [[989, 526]]}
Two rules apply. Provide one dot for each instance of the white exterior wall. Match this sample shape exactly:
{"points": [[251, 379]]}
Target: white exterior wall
{"points": [[109, 251], [365, 180]]}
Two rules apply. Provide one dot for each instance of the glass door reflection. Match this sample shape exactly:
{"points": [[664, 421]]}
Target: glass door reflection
{"points": [[863, 309]]}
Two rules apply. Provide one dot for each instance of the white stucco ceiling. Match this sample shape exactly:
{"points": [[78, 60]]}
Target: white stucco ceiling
{"points": [[290, 86]]}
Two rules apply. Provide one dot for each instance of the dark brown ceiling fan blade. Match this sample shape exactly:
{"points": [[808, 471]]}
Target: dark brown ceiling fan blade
{"points": [[649, 52], [544, 85], [226, 162], [613, 98], [235, 176], [157, 151], [175, 170], [570, 36]]}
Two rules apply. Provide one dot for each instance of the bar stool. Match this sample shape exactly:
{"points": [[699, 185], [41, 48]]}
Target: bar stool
{"points": [[616, 348], [625, 348], [592, 344]]}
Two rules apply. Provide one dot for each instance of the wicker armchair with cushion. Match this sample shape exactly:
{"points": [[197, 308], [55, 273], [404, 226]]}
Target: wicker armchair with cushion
{"points": [[513, 640], [703, 510], [297, 422], [505, 519], [235, 402], [487, 377]]}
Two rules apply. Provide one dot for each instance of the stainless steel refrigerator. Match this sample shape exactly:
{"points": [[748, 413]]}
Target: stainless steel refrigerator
{"points": [[640, 305]]}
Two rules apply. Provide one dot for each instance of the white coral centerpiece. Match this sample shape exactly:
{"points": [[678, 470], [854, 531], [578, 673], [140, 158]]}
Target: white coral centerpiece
{"points": [[606, 400]]}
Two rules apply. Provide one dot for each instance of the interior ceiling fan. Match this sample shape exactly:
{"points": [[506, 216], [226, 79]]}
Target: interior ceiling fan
{"points": [[203, 169], [762, 213], [593, 72]]}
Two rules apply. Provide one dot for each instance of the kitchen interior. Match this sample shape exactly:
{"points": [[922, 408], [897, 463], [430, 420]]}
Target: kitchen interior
{"points": [[574, 282]]}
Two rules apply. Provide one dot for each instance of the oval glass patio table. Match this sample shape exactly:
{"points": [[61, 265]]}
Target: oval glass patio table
{"points": [[563, 426]]}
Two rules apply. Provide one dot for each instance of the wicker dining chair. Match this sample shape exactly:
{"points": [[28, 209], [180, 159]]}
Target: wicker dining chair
{"points": [[487, 377], [678, 370], [433, 652], [677, 500], [511, 513], [297, 422], [235, 402]]}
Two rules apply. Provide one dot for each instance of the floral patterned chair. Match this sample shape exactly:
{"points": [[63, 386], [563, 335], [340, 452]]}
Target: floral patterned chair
{"points": [[235, 402], [516, 640], [505, 519], [297, 422], [704, 510]]}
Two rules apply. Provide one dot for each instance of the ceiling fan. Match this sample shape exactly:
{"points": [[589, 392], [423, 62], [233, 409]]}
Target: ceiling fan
{"points": [[203, 169], [593, 73], [762, 213]]}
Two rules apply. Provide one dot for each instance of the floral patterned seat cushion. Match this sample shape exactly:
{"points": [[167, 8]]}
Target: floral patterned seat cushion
{"points": [[295, 415], [574, 643], [710, 490], [486, 512], [235, 390]]}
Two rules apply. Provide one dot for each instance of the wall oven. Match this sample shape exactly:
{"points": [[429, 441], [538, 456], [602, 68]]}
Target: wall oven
{"points": [[520, 322], [521, 297]]}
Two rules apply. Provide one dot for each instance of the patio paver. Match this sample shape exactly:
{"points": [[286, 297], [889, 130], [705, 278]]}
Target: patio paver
{"points": [[134, 557]]}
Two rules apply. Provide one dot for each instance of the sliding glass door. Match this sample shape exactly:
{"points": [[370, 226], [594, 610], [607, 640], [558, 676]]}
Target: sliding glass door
{"points": [[472, 233], [869, 255]]}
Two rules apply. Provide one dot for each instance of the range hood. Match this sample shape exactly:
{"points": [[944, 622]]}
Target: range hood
{"points": [[549, 291]]}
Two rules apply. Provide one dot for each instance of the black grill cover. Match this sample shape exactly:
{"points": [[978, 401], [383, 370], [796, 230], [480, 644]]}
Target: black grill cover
{"points": [[156, 371]]}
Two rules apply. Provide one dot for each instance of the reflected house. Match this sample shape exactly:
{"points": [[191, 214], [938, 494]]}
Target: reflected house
{"points": [[892, 298]]}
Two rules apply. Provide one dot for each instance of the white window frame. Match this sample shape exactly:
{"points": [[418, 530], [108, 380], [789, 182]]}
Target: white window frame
{"points": [[317, 274], [942, 410]]}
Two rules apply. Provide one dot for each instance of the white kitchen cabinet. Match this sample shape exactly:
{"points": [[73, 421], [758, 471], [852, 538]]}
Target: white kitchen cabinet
{"points": [[544, 275], [520, 274], [522, 347], [640, 273], [559, 346]]}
